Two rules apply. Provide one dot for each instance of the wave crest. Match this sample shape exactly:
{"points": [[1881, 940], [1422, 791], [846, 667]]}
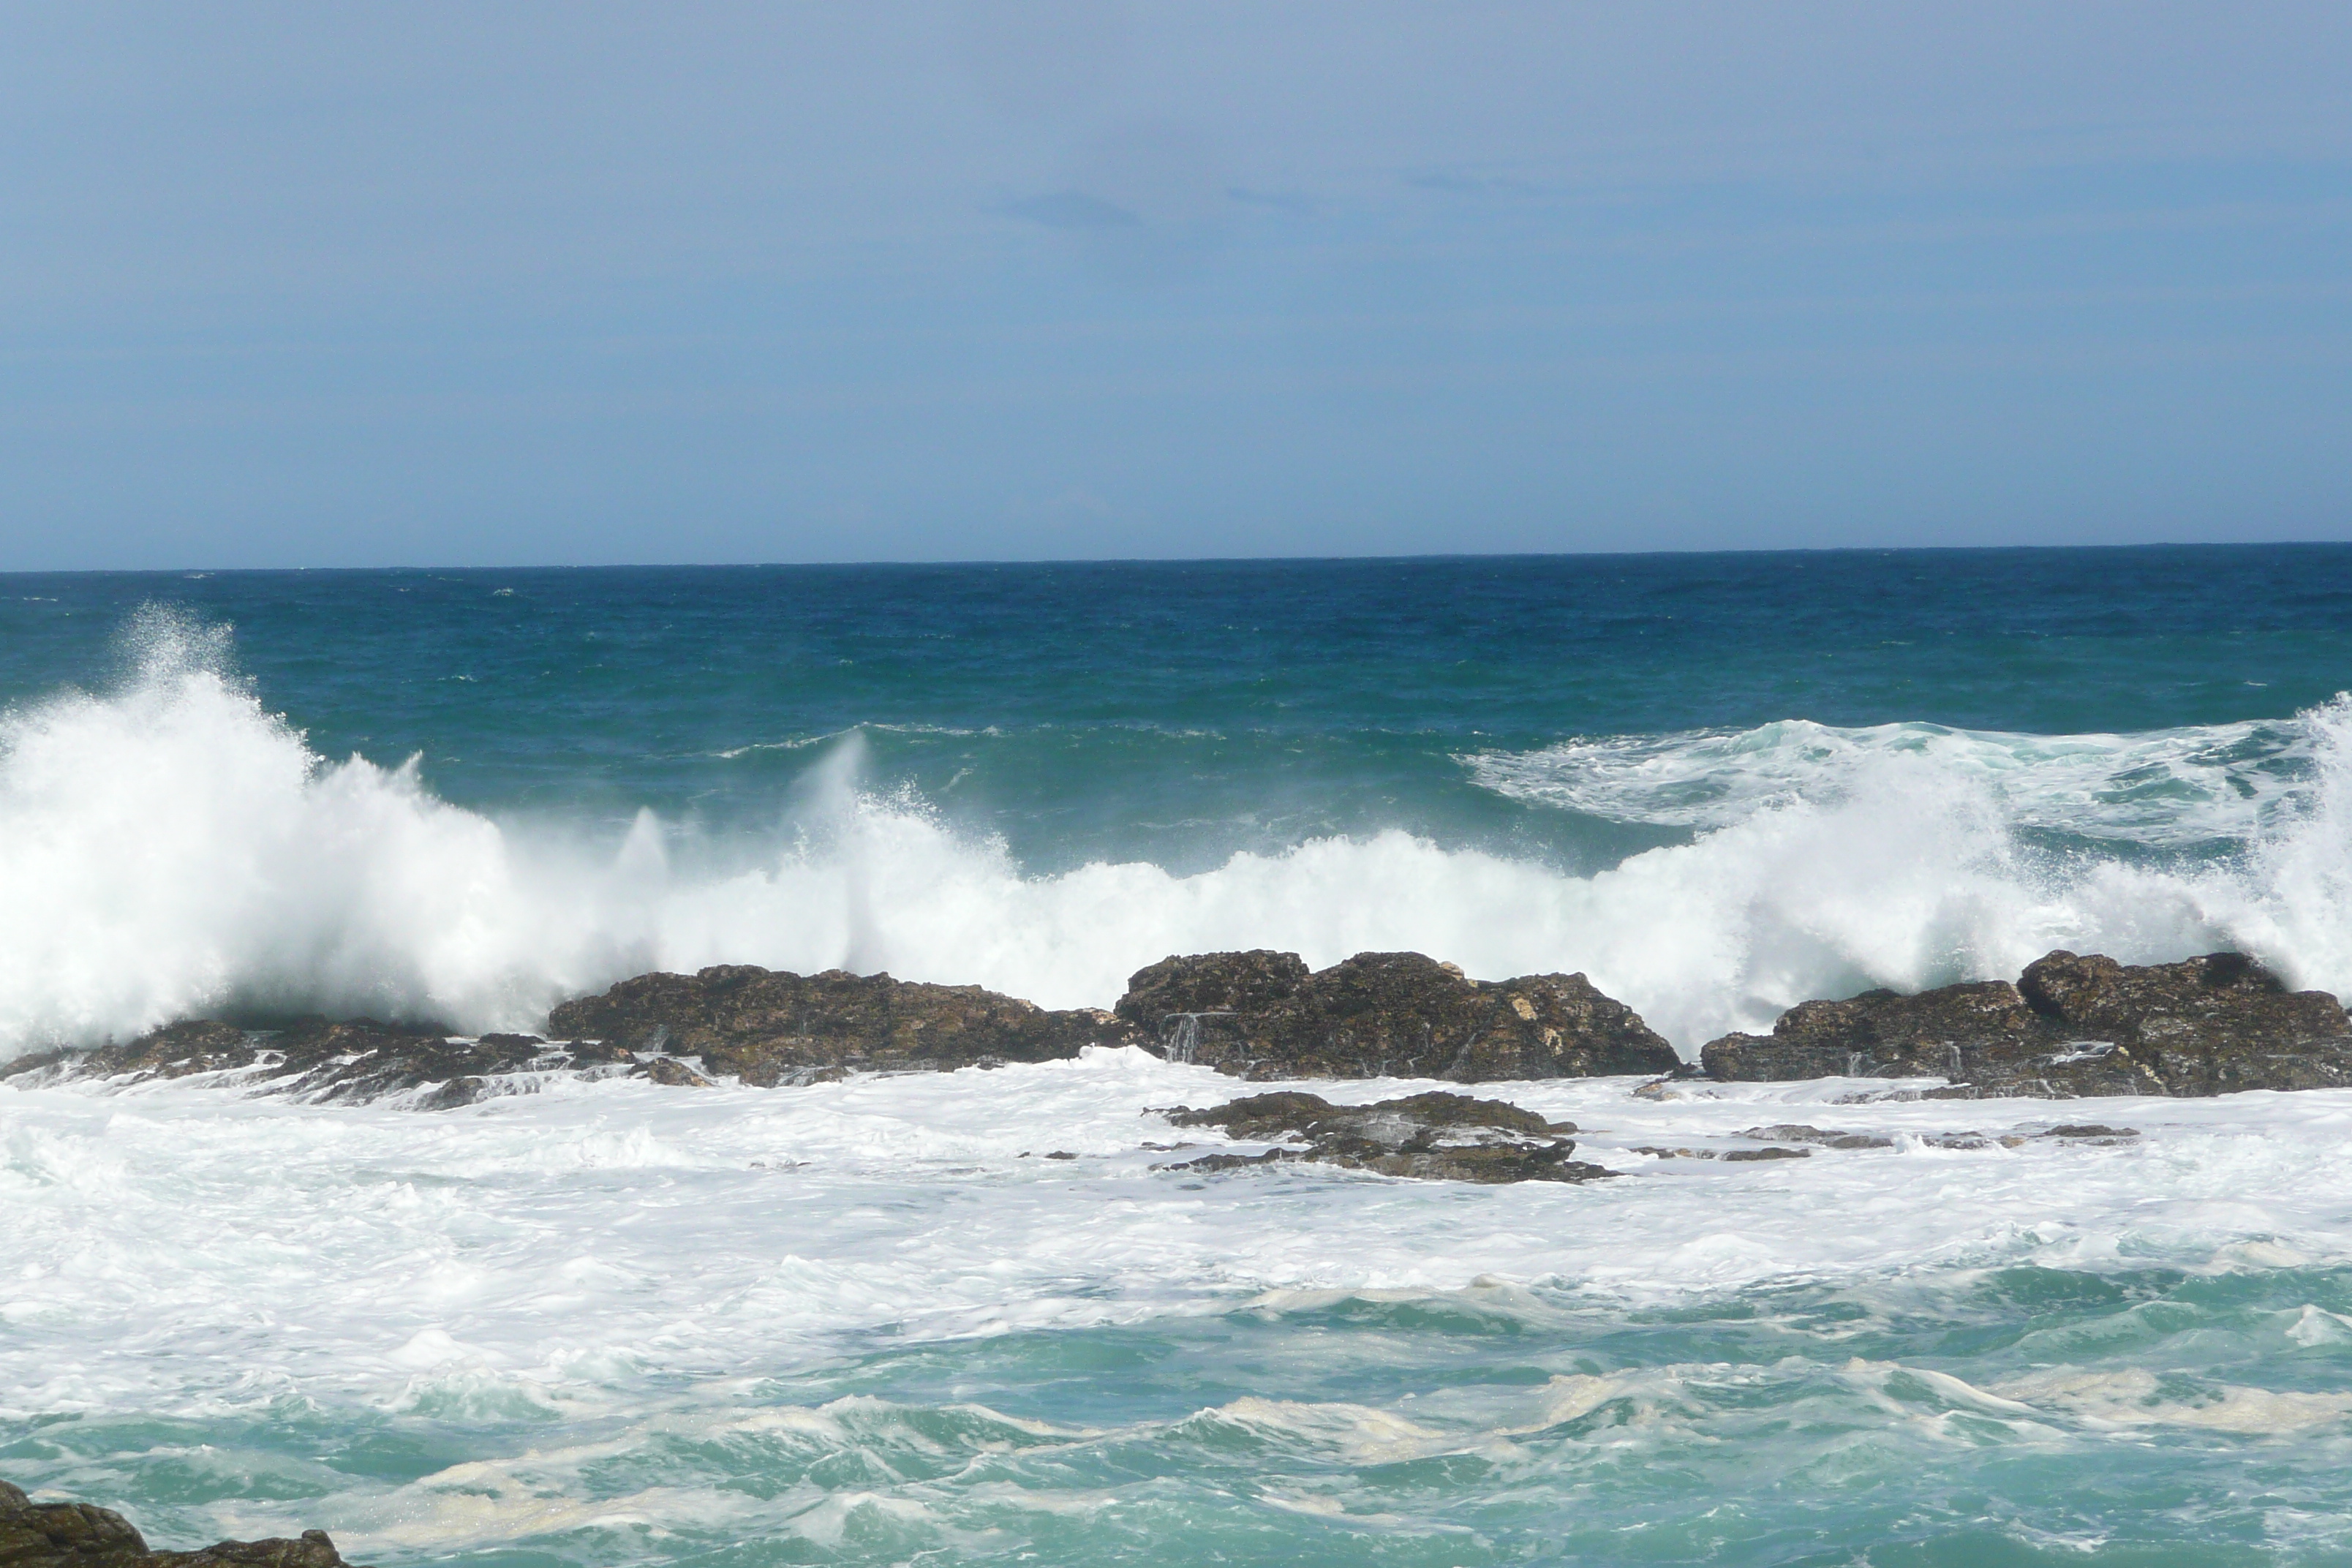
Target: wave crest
{"points": [[2170, 788]]}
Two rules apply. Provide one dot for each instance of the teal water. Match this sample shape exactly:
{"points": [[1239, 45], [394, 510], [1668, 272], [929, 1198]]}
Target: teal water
{"points": [[1789, 1425]]}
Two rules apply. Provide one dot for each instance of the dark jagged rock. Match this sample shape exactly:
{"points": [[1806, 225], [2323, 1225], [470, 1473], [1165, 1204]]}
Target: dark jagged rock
{"points": [[360, 1062], [2208, 1020], [352, 1062], [82, 1535], [1880, 1034], [770, 1027], [39, 1535], [2070, 1027], [1436, 1136], [1263, 1014], [1212, 985]]}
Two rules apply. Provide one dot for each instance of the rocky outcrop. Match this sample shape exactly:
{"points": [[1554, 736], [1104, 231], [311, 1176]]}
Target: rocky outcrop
{"points": [[82, 1535], [1263, 1015], [352, 1062], [2071, 1026], [770, 1026], [1434, 1137], [1257, 1014]]}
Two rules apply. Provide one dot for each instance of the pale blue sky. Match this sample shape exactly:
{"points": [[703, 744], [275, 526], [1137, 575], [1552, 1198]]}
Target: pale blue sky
{"points": [[418, 283]]}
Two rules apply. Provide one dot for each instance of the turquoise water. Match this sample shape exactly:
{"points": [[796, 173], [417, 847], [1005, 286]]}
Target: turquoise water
{"points": [[613, 1325], [1785, 1426], [616, 1324]]}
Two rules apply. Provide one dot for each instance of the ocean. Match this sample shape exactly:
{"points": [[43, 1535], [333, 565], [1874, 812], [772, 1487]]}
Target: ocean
{"points": [[867, 1322]]}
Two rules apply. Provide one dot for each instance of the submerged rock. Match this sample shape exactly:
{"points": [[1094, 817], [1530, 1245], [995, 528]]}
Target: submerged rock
{"points": [[350, 1062], [672, 1073], [1263, 1014], [772, 1026], [1436, 1136], [2070, 1027], [82, 1535], [1804, 1133]]}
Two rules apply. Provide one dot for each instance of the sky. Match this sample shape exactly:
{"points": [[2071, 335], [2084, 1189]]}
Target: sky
{"points": [[423, 283]]}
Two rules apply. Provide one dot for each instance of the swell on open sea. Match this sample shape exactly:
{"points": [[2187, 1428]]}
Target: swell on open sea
{"points": [[610, 1322]]}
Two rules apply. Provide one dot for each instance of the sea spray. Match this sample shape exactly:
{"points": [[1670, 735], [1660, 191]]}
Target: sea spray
{"points": [[2297, 882]]}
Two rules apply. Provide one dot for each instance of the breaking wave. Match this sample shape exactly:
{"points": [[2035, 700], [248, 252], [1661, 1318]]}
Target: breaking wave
{"points": [[2170, 788], [171, 847]]}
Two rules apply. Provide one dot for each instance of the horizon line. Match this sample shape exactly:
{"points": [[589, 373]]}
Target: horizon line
{"points": [[1431, 557]]}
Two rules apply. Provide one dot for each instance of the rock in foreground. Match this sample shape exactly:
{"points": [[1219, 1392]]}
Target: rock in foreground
{"points": [[81, 1535], [1436, 1136], [2070, 1027], [1263, 1015], [770, 1026]]}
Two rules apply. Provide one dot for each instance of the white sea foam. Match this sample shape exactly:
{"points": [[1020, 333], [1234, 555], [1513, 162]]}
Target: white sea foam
{"points": [[585, 1296], [2171, 787], [171, 847], [498, 1260]]}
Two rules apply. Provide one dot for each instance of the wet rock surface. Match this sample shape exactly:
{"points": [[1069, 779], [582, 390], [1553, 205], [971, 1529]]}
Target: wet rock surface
{"points": [[2094, 1132], [83, 1536], [352, 1062], [1263, 1015], [772, 1026], [1807, 1139], [2071, 1026], [1798, 1132], [767, 1028], [1436, 1136]]}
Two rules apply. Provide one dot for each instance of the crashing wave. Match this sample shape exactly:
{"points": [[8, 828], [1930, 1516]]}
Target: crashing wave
{"points": [[172, 848]]}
